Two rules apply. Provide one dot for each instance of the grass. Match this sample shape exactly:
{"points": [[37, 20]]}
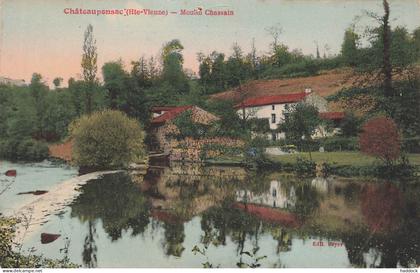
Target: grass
{"points": [[339, 158]]}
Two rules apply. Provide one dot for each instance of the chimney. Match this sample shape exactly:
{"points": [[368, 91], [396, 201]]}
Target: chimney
{"points": [[308, 90]]}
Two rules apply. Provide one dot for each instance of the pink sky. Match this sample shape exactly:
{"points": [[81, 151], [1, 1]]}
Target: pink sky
{"points": [[39, 37]]}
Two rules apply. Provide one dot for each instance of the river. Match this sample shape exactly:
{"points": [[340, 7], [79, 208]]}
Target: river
{"points": [[230, 216]]}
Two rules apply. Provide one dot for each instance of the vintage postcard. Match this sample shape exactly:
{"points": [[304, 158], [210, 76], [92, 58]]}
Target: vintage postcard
{"points": [[210, 134]]}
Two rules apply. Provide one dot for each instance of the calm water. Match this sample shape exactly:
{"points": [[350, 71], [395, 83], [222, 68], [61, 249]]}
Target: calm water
{"points": [[30, 177], [236, 218]]}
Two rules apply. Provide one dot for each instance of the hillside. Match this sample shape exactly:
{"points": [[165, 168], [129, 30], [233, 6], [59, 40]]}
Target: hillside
{"points": [[325, 84]]}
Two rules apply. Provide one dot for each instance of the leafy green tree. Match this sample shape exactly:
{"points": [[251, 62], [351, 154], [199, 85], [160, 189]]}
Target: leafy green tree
{"points": [[349, 48], [236, 67], [107, 139], [39, 91], [416, 43], [58, 115], [300, 124], [172, 71], [230, 124], [57, 82], [115, 79], [76, 89], [142, 72], [89, 66], [350, 125], [281, 55]]}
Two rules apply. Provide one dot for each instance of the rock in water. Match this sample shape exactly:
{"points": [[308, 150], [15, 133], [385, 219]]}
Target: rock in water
{"points": [[47, 238], [11, 173]]}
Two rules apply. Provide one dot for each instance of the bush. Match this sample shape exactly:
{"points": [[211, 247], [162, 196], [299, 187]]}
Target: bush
{"points": [[25, 150], [340, 144], [107, 139], [32, 150], [305, 167], [380, 138], [411, 145]]}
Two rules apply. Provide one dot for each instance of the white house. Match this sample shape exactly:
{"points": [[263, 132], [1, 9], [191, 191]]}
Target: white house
{"points": [[274, 108]]}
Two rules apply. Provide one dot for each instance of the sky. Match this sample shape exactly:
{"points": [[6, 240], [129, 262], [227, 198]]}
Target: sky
{"points": [[37, 36]]}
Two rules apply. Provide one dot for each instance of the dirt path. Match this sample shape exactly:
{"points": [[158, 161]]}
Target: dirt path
{"points": [[34, 214]]}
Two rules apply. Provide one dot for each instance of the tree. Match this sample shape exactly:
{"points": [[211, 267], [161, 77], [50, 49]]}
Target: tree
{"points": [[107, 139], [349, 50], [57, 82], [350, 125], [89, 65], [380, 138], [114, 82], [172, 72], [274, 31], [386, 41], [237, 68], [38, 91], [300, 123]]}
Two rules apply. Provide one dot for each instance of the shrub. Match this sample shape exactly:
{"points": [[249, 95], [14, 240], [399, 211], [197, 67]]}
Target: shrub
{"points": [[26, 149], [305, 167], [340, 144], [9, 258], [106, 139], [32, 150], [380, 138], [411, 145]]}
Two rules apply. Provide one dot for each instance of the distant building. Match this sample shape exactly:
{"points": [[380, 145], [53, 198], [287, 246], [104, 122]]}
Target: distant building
{"points": [[8, 81], [275, 108]]}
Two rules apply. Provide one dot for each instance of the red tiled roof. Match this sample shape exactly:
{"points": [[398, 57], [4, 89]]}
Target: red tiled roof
{"points": [[332, 115], [267, 100], [171, 114]]}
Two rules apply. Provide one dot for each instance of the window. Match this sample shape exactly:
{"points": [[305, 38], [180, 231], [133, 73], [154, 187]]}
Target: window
{"points": [[273, 118], [273, 107]]}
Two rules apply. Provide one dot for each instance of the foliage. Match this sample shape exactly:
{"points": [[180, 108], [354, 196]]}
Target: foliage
{"points": [[89, 65], [23, 150], [230, 124], [12, 259], [188, 128], [300, 123], [107, 139], [332, 144], [255, 151], [93, 203], [349, 126], [305, 167], [380, 138], [411, 145], [349, 47], [172, 70]]}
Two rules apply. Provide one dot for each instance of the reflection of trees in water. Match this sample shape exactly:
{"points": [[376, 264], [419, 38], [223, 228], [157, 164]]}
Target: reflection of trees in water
{"points": [[220, 222], [392, 228], [89, 247], [174, 239], [117, 202], [307, 200], [283, 238], [381, 206]]}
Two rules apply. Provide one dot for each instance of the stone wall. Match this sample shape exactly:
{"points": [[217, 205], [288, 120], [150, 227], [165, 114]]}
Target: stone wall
{"points": [[196, 150]]}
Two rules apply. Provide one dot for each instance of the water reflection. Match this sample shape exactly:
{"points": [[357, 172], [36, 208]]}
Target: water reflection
{"points": [[285, 218]]}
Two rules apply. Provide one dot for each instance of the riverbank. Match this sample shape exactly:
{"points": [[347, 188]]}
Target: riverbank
{"points": [[338, 158], [33, 215]]}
